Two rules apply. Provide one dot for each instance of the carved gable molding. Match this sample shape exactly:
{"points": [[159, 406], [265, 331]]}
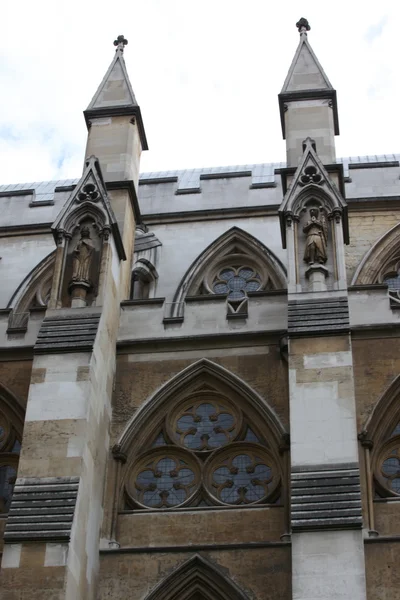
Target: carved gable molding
{"points": [[33, 292], [311, 180], [202, 372], [197, 578], [82, 231], [380, 260], [235, 248], [89, 200], [314, 227]]}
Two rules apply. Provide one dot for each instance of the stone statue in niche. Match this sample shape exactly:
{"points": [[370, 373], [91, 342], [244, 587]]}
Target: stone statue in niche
{"points": [[82, 257], [316, 230]]}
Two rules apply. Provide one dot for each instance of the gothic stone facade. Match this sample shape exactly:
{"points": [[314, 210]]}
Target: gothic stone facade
{"points": [[200, 370]]}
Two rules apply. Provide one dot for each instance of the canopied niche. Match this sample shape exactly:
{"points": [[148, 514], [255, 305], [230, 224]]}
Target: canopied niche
{"points": [[314, 227], [82, 232], [33, 293]]}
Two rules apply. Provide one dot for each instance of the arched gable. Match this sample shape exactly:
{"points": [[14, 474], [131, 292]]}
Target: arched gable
{"points": [[235, 242], [33, 289], [380, 259], [194, 579], [197, 374], [381, 439], [384, 416]]}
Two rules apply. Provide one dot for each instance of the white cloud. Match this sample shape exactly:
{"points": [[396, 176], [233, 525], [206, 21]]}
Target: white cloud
{"points": [[206, 75]]}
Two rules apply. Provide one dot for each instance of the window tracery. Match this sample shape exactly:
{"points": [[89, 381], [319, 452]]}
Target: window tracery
{"points": [[205, 453], [236, 281]]}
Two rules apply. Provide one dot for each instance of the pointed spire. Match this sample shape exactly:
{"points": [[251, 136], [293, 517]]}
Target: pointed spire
{"points": [[306, 79], [115, 96], [305, 72]]}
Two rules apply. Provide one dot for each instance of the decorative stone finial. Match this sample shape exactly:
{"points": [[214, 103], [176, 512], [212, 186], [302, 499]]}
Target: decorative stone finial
{"points": [[120, 43], [302, 25]]}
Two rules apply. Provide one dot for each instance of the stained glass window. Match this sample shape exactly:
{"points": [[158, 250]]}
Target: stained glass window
{"points": [[165, 479], [205, 425], [242, 478], [205, 453], [390, 469]]}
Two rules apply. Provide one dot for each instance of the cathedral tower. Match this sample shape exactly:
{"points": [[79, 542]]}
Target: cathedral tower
{"points": [[56, 513], [327, 541]]}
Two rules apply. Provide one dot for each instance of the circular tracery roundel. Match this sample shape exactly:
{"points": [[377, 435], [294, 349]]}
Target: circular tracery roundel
{"points": [[164, 478], [244, 474], [235, 281], [205, 423]]}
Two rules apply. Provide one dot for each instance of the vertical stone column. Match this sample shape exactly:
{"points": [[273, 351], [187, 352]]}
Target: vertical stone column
{"points": [[53, 530], [327, 541]]}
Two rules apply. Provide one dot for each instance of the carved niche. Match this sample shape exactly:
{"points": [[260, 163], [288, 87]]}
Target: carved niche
{"points": [[82, 265], [314, 241], [82, 232]]}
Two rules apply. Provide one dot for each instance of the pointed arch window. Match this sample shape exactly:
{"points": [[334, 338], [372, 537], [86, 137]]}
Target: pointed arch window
{"points": [[381, 440], [9, 455], [233, 266], [208, 448], [387, 464]]}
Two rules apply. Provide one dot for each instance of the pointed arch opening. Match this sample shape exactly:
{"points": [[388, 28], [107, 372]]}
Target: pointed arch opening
{"points": [[32, 293], [233, 265], [382, 262], [204, 439], [381, 435], [11, 428], [197, 579]]}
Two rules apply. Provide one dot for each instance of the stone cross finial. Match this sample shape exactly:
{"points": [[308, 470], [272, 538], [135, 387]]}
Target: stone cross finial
{"points": [[302, 25], [120, 43]]}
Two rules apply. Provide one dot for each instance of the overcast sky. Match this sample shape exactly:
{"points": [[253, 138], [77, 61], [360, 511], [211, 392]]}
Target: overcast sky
{"points": [[206, 75]]}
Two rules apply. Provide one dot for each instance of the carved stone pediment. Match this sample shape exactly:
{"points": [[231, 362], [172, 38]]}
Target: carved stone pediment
{"points": [[312, 180], [89, 201]]}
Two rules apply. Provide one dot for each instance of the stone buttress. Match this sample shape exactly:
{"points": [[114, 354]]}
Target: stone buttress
{"points": [[53, 529], [326, 523]]}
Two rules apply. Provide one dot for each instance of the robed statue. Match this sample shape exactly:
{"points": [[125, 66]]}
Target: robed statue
{"points": [[316, 231], [82, 257]]}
